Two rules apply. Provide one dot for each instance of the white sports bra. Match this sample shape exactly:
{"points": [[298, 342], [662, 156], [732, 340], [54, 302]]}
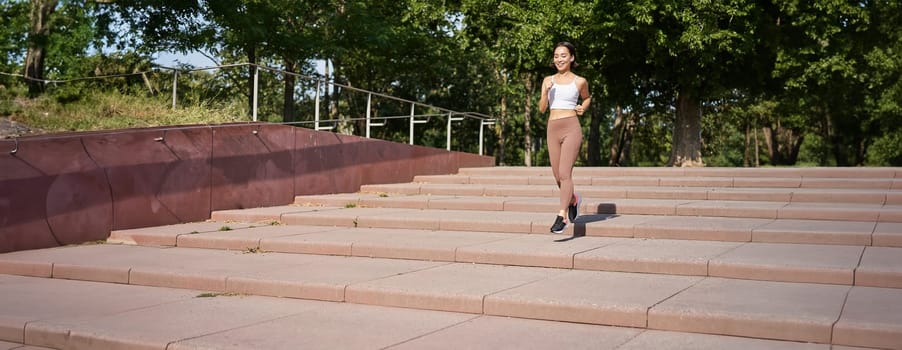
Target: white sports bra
{"points": [[563, 96]]}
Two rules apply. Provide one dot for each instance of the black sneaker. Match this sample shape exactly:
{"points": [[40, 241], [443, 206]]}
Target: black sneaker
{"points": [[559, 225], [573, 209]]}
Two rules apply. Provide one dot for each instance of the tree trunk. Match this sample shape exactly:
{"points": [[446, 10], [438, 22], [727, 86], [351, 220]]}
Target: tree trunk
{"points": [[251, 52], [499, 131], [751, 141], [836, 142], [345, 125], [757, 149], [746, 156], [527, 126], [500, 125], [794, 144], [617, 133], [626, 140], [38, 34], [624, 136], [687, 137], [593, 144], [782, 144], [288, 110], [861, 153], [771, 143], [335, 98], [327, 89]]}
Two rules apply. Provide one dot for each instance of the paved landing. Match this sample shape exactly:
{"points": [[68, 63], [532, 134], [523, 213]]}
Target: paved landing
{"points": [[88, 315], [807, 312]]}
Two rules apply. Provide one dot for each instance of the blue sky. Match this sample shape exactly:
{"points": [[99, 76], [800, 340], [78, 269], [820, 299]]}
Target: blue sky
{"points": [[172, 59]]}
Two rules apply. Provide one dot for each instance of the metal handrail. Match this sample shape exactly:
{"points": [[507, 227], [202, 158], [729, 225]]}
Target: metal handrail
{"points": [[484, 120]]}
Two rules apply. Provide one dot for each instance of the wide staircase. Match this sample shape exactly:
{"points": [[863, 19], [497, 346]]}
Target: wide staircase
{"points": [[659, 258]]}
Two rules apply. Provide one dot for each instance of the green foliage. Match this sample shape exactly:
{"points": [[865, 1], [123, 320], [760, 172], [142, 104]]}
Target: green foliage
{"points": [[652, 138], [13, 27], [110, 110], [72, 35], [723, 137], [886, 150], [8, 100], [824, 77], [838, 73], [152, 24], [815, 151]]}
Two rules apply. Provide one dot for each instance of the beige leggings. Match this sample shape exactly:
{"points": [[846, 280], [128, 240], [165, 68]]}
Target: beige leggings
{"points": [[565, 137]]}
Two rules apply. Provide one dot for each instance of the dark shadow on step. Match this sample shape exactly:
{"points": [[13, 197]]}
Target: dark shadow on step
{"points": [[579, 224]]}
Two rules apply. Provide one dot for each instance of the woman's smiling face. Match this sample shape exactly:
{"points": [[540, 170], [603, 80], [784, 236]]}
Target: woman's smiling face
{"points": [[562, 58]]}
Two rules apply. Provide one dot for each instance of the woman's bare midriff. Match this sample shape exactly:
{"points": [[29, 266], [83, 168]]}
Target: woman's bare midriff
{"points": [[561, 113]]}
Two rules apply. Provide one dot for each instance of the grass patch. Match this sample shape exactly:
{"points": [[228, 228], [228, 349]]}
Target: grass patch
{"points": [[217, 294], [254, 250], [111, 110], [95, 242]]}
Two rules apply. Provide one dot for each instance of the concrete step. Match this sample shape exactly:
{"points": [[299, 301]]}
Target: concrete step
{"points": [[660, 223], [594, 205], [775, 181], [621, 191], [800, 312], [814, 263], [661, 258], [801, 173], [66, 314]]}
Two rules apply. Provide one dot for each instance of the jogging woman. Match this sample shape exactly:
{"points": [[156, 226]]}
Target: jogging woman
{"points": [[567, 95]]}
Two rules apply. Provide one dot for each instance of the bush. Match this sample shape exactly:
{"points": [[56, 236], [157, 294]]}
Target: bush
{"points": [[886, 150]]}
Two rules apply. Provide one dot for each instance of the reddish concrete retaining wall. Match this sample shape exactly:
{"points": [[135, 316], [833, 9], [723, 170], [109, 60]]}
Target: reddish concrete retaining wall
{"points": [[74, 189]]}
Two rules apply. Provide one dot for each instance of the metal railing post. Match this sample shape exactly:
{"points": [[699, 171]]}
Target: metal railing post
{"points": [[316, 107], [412, 108], [482, 124], [175, 79], [256, 78], [448, 134], [369, 100]]}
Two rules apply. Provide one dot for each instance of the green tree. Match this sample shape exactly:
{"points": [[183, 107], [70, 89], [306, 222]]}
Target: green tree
{"points": [[13, 29], [839, 61], [296, 41], [244, 27], [154, 25], [691, 51], [74, 38], [517, 38], [403, 48], [38, 40], [885, 102], [59, 37], [234, 31]]}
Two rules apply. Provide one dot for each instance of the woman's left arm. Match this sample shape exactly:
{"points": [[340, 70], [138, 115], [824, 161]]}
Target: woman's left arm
{"points": [[583, 85]]}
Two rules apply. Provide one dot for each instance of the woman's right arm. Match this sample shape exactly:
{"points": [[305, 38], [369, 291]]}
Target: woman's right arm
{"points": [[543, 99]]}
